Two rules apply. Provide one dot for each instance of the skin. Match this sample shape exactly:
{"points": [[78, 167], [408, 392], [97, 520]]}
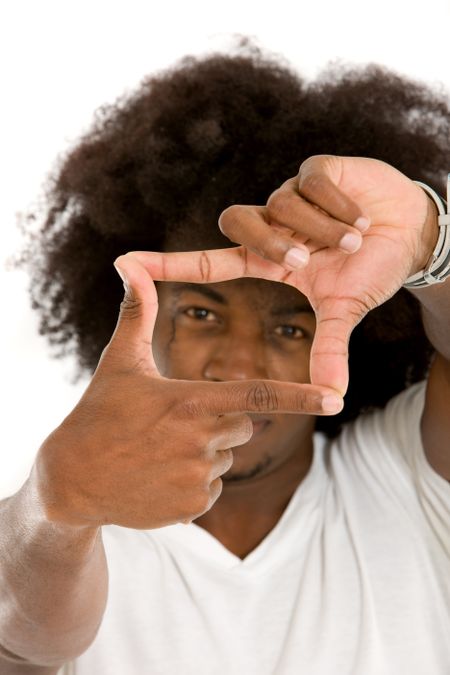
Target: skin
{"points": [[312, 213], [239, 330], [325, 211], [394, 228], [143, 450]]}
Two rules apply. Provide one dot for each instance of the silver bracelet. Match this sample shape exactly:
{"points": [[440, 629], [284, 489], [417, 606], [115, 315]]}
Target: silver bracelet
{"points": [[437, 268]]}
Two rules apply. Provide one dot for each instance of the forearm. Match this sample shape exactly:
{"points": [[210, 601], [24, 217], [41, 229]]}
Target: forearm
{"points": [[53, 583]]}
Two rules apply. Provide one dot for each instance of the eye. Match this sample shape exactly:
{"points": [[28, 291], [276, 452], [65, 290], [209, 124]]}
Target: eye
{"points": [[200, 314], [290, 332]]}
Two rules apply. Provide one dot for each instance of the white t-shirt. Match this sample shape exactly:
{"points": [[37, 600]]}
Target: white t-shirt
{"points": [[354, 578]]}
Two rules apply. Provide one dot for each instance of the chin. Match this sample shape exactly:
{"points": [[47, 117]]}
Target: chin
{"points": [[236, 474]]}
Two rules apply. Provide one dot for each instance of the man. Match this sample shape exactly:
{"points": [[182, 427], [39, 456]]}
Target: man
{"points": [[321, 555]]}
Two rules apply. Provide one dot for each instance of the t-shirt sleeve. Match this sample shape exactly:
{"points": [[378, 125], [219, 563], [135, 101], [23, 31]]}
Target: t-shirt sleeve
{"points": [[398, 434]]}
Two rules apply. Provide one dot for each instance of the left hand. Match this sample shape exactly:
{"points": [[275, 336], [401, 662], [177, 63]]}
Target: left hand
{"points": [[313, 211]]}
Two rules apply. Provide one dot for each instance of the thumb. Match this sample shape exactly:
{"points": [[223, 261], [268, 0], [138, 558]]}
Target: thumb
{"points": [[131, 342], [329, 351]]}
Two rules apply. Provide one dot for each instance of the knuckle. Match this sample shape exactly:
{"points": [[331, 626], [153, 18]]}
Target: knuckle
{"points": [[279, 203], [228, 459], [204, 266], [331, 344], [191, 407], [260, 397], [223, 461], [130, 308], [215, 491], [246, 426], [242, 252], [302, 401], [201, 502], [314, 163], [311, 182], [201, 474], [231, 219], [244, 432]]}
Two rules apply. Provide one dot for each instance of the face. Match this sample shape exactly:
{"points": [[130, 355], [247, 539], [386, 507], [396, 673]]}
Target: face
{"points": [[239, 330]]}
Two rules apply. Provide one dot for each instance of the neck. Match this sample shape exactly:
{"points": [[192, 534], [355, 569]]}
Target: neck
{"points": [[247, 511]]}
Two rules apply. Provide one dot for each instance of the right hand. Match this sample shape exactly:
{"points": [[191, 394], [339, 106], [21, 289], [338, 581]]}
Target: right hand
{"points": [[143, 451]]}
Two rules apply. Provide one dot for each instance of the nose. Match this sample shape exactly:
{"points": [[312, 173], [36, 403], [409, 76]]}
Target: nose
{"points": [[236, 359]]}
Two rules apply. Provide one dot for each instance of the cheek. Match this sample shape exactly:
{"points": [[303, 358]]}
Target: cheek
{"points": [[184, 361], [290, 366], [176, 355]]}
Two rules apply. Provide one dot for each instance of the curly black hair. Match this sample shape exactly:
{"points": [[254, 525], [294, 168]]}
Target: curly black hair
{"points": [[158, 167]]}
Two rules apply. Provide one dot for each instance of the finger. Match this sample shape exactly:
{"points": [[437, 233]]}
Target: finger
{"points": [[249, 225], [288, 208], [231, 431], [223, 461], [301, 223], [272, 396], [131, 343], [329, 351], [318, 181], [215, 490], [210, 266]]}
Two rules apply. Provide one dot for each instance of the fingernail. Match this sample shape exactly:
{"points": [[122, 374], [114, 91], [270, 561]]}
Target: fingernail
{"points": [[332, 403], [296, 257], [350, 242], [362, 223]]}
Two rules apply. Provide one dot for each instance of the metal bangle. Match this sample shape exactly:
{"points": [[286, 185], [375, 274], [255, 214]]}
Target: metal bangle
{"points": [[437, 268]]}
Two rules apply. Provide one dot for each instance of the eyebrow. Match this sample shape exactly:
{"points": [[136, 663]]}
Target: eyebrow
{"points": [[203, 290], [208, 292], [295, 309]]}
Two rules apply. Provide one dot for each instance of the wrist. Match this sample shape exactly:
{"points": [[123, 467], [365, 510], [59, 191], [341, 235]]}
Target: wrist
{"points": [[437, 269], [76, 540], [430, 233]]}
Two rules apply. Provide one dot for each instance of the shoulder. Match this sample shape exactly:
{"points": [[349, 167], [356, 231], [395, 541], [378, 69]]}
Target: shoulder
{"points": [[388, 444], [384, 441], [397, 425]]}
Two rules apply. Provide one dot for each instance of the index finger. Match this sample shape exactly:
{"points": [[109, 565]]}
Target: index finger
{"points": [[271, 396], [211, 266]]}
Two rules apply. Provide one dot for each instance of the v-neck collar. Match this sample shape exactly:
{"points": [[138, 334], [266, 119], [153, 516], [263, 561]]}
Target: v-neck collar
{"points": [[288, 531]]}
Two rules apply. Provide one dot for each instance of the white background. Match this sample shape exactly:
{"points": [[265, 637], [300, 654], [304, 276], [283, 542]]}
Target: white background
{"points": [[61, 60]]}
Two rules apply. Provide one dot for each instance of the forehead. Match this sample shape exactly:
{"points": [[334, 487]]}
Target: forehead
{"points": [[254, 293]]}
